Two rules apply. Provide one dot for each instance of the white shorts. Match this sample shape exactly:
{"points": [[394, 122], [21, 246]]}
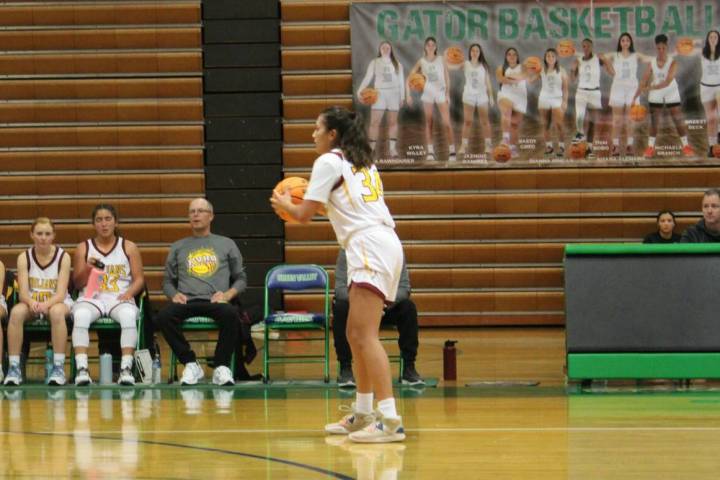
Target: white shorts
{"points": [[621, 94], [374, 261], [519, 102], [588, 98], [668, 95], [708, 94], [549, 103], [388, 99], [433, 94], [475, 99], [105, 306]]}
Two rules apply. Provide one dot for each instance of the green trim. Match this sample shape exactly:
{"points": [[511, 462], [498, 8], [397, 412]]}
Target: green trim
{"points": [[642, 249], [643, 365]]}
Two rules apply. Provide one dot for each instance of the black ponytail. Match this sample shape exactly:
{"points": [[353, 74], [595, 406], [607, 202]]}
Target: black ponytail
{"points": [[351, 135]]}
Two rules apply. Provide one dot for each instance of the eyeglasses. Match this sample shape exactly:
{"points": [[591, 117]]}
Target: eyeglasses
{"points": [[199, 210]]}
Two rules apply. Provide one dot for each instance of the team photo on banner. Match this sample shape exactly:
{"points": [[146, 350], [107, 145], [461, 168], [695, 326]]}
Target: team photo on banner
{"points": [[539, 83]]}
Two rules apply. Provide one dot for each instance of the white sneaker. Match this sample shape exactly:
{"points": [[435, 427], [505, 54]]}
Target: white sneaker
{"points": [[57, 376], [14, 376], [257, 331], [192, 373], [223, 376], [382, 430], [82, 377], [353, 421], [126, 377]]}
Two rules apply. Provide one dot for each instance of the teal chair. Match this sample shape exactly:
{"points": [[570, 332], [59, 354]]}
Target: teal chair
{"points": [[297, 278], [196, 324]]}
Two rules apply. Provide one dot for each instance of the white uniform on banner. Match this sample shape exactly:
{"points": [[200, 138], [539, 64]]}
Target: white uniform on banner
{"points": [[588, 89], [43, 280], [671, 93], [625, 82], [515, 92], [475, 91], [710, 80], [389, 83], [434, 91], [551, 91], [361, 221]]}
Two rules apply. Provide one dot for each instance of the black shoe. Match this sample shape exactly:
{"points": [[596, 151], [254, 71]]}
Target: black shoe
{"points": [[346, 379], [410, 376], [579, 137]]}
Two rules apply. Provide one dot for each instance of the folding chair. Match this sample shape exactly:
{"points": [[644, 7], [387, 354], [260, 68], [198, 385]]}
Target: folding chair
{"points": [[196, 324], [296, 278]]}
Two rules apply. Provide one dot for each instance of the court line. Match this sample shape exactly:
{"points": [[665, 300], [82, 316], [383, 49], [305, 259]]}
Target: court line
{"points": [[291, 463]]}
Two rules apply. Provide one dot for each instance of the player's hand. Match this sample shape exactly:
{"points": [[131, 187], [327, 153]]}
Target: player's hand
{"points": [[179, 298], [280, 201], [125, 297]]}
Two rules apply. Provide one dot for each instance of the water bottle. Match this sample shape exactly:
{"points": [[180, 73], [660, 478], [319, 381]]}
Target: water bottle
{"points": [[93, 281], [48, 362], [106, 372], [449, 360], [156, 369]]}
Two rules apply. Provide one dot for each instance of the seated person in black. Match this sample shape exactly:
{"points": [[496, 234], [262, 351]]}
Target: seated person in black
{"points": [[402, 313], [706, 230], [665, 229]]}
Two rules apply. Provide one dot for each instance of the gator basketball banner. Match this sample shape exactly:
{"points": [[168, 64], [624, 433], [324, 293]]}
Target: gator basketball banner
{"points": [[485, 84]]}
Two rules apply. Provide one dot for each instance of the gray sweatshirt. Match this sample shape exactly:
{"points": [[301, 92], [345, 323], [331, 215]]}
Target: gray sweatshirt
{"points": [[341, 289], [201, 266]]}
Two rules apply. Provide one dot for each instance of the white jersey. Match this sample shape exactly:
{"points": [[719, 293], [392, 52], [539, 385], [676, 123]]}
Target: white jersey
{"points": [[514, 89], [551, 84], [475, 79], [43, 279], [625, 69], [434, 72], [353, 197], [589, 73], [116, 278], [381, 71], [710, 72], [661, 74]]}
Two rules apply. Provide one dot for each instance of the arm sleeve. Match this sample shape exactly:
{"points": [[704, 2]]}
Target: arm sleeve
{"points": [[326, 171], [403, 292], [170, 279], [341, 290], [237, 271], [368, 76]]}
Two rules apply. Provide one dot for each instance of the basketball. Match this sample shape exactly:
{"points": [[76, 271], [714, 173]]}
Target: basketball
{"points": [[684, 46], [297, 187], [578, 150], [716, 150], [566, 48], [416, 82], [533, 64], [368, 96], [501, 153], [454, 56], [638, 113]]}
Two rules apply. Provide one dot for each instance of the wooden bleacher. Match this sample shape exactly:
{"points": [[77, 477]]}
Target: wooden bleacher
{"points": [[484, 247]]}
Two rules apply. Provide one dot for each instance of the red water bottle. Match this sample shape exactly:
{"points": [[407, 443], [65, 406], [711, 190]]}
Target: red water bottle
{"points": [[449, 360]]}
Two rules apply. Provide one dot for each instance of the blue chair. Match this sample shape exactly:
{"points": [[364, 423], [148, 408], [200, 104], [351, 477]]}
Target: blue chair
{"points": [[297, 278]]}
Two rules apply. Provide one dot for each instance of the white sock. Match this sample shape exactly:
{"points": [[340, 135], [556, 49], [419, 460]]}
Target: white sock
{"points": [[561, 145], [392, 144], [548, 144], [14, 360], [81, 360], [465, 142], [616, 142], [684, 141], [431, 148], [58, 358], [452, 149], [363, 402], [488, 144], [126, 361], [631, 140], [651, 141], [387, 408], [372, 145], [506, 137], [711, 140]]}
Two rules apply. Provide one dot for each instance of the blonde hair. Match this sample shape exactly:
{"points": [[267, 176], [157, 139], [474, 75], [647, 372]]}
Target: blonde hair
{"points": [[42, 220]]}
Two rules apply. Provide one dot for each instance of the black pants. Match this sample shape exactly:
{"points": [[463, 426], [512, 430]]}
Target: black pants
{"points": [[170, 318], [403, 314]]}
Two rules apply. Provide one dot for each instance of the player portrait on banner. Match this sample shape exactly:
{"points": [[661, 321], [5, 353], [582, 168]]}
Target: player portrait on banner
{"points": [[503, 85]]}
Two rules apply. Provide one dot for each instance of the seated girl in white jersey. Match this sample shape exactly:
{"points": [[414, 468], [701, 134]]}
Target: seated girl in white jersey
{"points": [[387, 76], [121, 280], [436, 92], [552, 101], [477, 94], [346, 181], [43, 274], [662, 90]]}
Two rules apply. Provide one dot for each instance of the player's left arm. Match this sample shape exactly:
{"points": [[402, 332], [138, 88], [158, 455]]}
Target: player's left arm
{"points": [[136, 271]]}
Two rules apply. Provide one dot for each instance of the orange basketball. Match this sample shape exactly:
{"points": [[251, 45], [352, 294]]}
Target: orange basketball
{"points": [[368, 96], [297, 187], [685, 46], [454, 55], [416, 82], [578, 150], [533, 64], [501, 153], [566, 48], [638, 113], [716, 150]]}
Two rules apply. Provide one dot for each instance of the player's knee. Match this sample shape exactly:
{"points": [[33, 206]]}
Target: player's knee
{"points": [[82, 317]]}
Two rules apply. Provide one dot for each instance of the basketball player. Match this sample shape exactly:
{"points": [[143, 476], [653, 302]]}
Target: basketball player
{"points": [[710, 86], [386, 73], [122, 279], [437, 83], [477, 94], [588, 99], [552, 101], [43, 273], [512, 98], [345, 179], [662, 89]]}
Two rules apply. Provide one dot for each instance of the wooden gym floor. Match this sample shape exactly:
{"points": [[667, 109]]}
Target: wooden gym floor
{"points": [[493, 430]]}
